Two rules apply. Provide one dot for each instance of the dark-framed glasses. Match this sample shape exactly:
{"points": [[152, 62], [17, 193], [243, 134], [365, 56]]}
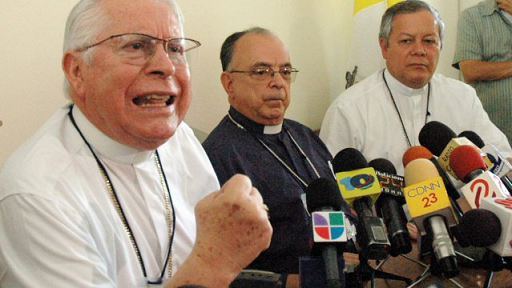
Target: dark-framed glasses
{"points": [[265, 73], [138, 48]]}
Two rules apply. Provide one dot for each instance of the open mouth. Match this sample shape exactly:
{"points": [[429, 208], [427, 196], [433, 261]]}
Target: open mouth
{"points": [[154, 100]]}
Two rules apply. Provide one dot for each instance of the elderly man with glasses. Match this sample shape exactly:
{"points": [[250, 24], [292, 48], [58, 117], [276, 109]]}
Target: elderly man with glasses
{"points": [[103, 195], [279, 155]]}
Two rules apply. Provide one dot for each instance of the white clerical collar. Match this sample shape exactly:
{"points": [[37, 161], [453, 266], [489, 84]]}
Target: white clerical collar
{"points": [[106, 146], [399, 88], [273, 129]]}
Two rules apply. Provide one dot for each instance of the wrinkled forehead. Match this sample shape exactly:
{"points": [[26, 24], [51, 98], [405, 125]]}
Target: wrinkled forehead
{"points": [[155, 17]]}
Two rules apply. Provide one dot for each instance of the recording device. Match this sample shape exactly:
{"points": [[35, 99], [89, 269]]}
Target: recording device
{"points": [[324, 203], [389, 206], [441, 141], [429, 206], [360, 188], [468, 164], [495, 161], [419, 151], [248, 278]]}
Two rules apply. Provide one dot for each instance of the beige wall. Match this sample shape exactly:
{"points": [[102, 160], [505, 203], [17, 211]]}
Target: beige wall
{"points": [[316, 32]]}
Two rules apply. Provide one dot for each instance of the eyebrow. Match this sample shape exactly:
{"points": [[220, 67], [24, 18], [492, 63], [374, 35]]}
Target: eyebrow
{"points": [[265, 64]]}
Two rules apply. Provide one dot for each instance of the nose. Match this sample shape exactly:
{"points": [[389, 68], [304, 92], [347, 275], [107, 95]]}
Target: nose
{"points": [[277, 80], [419, 48], [159, 64]]}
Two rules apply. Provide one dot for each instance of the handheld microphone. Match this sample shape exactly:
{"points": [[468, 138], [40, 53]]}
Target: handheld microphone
{"points": [[470, 167], [429, 205], [324, 203], [503, 209], [495, 161], [389, 206], [360, 188], [441, 141]]}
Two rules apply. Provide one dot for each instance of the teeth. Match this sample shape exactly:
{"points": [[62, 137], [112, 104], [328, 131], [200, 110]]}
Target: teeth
{"points": [[153, 100]]}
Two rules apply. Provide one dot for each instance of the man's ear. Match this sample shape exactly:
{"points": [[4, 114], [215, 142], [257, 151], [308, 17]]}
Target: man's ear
{"points": [[226, 79], [383, 47], [72, 65]]}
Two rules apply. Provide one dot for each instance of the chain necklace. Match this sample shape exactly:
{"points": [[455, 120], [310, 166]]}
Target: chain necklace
{"points": [[169, 208], [302, 181], [427, 113]]}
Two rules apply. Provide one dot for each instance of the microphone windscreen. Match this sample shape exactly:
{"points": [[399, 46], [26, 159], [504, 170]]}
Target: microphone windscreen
{"points": [[419, 170], [416, 152], [435, 136], [473, 137], [465, 159], [322, 193], [479, 227], [348, 159], [382, 165]]}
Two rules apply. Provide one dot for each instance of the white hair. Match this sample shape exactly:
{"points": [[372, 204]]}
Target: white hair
{"points": [[86, 20]]}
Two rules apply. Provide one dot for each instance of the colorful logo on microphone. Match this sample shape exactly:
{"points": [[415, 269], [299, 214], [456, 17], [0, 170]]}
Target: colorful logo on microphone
{"points": [[329, 227]]}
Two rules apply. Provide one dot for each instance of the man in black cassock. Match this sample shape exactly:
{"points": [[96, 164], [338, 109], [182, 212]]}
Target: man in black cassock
{"points": [[279, 155]]}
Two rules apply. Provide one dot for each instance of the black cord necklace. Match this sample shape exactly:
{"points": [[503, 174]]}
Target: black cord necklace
{"points": [[288, 168], [427, 113], [115, 199]]}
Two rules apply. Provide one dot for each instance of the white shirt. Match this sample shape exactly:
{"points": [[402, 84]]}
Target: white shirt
{"points": [[364, 117], [59, 226]]}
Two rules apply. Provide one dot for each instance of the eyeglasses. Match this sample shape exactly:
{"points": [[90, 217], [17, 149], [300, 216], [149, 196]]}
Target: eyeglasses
{"points": [[139, 48], [265, 73]]}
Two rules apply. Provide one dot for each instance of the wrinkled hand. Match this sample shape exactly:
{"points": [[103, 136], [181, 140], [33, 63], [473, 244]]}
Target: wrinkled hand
{"points": [[505, 5], [232, 224]]}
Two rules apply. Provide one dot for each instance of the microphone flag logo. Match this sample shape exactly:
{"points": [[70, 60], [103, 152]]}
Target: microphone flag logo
{"points": [[329, 226]]}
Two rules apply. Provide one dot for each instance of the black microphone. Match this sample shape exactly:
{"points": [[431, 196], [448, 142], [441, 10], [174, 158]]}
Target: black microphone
{"points": [[479, 228], [360, 188], [322, 195], [389, 206]]}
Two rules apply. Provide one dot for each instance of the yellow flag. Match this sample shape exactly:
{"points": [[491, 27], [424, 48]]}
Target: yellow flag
{"points": [[365, 51]]}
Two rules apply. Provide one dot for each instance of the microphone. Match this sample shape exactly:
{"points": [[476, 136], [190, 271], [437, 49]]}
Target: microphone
{"points": [[502, 208], [429, 206], [389, 206], [494, 160], [468, 164], [360, 188], [479, 228], [441, 141], [419, 151], [324, 202]]}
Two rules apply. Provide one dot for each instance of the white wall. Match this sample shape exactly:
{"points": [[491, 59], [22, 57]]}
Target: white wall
{"points": [[316, 33]]}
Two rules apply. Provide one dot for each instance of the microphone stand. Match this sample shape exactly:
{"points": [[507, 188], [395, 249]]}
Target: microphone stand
{"points": [[496, 263], [365, 272]]}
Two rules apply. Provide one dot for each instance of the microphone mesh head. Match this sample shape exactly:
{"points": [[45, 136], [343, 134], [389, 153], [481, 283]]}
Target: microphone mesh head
{"points": [[479, 227], [473, 137], [465, 159], [382, 165], [322, 193], [416, 152], [435, 136], [348, 159], [419, 170]]}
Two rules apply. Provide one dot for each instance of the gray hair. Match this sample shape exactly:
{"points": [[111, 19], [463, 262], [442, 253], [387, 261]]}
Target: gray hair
{"points": [[86, 20], [228, 47], [409, 6]]}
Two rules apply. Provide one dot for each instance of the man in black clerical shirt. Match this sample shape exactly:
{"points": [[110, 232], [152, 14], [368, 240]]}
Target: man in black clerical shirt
{"points": [[279, 155]]}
